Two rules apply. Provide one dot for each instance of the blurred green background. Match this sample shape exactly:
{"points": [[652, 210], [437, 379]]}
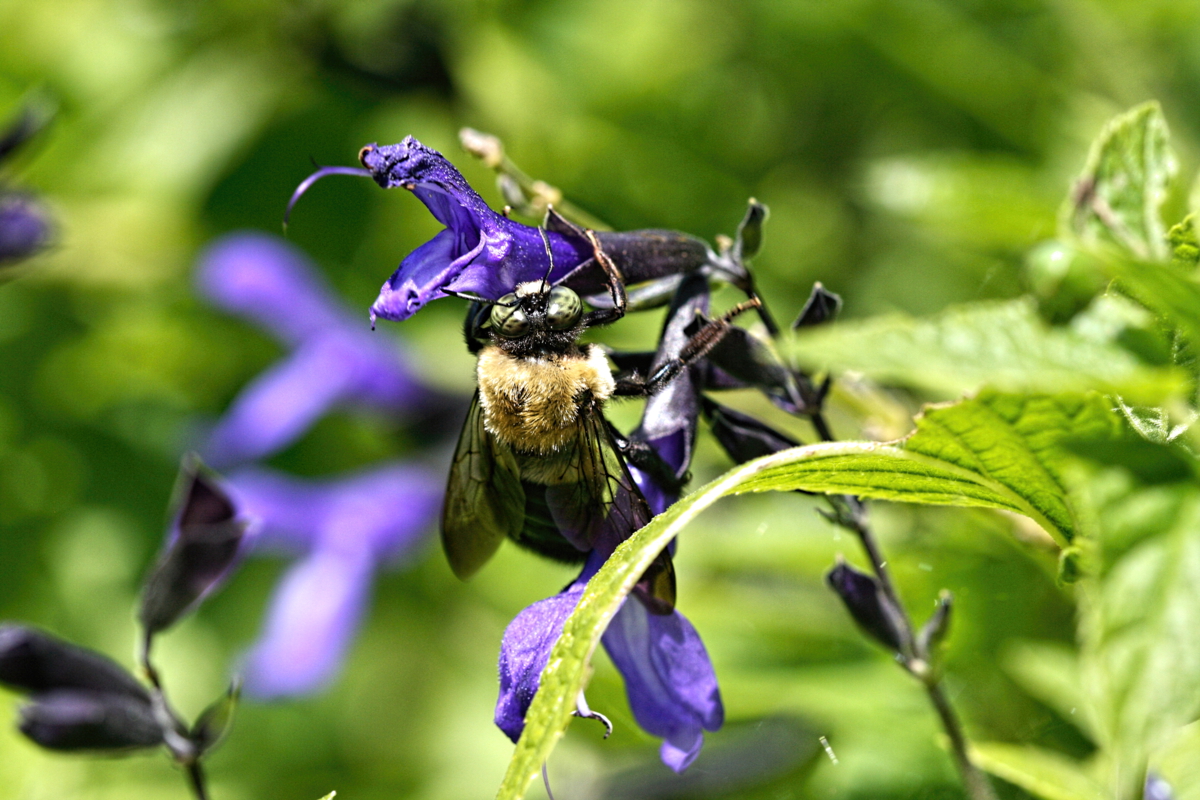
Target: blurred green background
{"points": [[911, 152]]}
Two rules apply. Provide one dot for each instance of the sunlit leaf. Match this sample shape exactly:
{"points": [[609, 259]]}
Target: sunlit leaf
{"points": [[1118, 197], [1042, 773], [1166, 290], [1185, 246], [1141, 655], [1003, 345]]}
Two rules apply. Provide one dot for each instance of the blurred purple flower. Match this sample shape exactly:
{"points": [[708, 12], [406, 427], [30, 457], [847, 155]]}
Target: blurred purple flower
{"points": [[480, 252], [24, 227], [341, 530], [335, 359]]}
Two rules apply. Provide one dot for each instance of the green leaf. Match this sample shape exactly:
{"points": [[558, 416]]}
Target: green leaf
{"points": [[1049, 671], [1043, 773], [1185, 245], [1118, 197], [996, 451], [1141, 654], [1004, 345], [1167, 291]]}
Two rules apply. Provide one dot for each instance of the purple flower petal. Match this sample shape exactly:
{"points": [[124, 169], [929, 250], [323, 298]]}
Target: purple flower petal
{"points": [[669, 679], [524, 652], [480, 252], [526, 647], [383, 511], [270, 282], [24, 227], [314, 615], [337, 359], [386, 509], [289, 512], [278, 406]]}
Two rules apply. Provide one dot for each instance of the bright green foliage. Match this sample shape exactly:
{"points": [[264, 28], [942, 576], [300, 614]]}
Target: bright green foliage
{"points": [[996, 450], [1141, 654], [1042, 773], [1185, 246], [1118, 197], [1056, 395], [1166, 291], [1003, 345]]}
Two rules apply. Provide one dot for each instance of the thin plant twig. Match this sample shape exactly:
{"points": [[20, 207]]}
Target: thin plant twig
{"points": [[851, 514], [538, 195]]}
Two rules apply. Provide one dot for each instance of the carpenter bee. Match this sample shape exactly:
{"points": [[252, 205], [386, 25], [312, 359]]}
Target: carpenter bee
{"points": [[537, 461]]}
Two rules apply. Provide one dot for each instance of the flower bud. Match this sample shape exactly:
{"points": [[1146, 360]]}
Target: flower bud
{"points": [[202, 549], [214, 721], [869, 606], [36, 662], [743, 437], [822, 306], [77, 720], [935, 629], [749, 232]]}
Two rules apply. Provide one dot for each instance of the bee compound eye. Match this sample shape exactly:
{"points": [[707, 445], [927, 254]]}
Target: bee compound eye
{"points": [[564, 308], [509, 320]]}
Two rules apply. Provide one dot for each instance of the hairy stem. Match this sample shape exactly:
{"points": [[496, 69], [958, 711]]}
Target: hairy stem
{"points": [[852, 515]]}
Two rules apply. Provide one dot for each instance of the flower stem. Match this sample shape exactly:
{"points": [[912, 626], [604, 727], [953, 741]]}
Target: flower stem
{"points": [[851, 513], [196, 780]]}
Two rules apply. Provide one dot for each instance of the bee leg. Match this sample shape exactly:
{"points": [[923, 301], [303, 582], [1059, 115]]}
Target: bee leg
{"points": [[692, 351], [582, 710], [616, 288], [643, 456]]}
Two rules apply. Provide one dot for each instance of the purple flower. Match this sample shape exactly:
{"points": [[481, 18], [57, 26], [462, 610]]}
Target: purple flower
{"points": [[341, 530], [335, 359], [669, 678], [480, 252], [24, 227]]}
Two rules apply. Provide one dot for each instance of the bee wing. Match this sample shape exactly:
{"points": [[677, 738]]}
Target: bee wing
{"points": [[606, 504], [484, 499]]}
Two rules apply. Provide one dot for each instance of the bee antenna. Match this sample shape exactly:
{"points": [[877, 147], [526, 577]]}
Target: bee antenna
{"points": [[549, 255], [316, 176]]}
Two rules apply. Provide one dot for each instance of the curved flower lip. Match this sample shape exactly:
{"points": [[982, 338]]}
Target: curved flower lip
{"points": [[480, 252]]}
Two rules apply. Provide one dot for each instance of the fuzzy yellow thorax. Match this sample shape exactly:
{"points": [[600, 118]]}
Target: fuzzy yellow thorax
{"points": [[534, 404]]}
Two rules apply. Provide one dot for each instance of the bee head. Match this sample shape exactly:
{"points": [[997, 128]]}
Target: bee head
{"points": [[535, 307]]}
